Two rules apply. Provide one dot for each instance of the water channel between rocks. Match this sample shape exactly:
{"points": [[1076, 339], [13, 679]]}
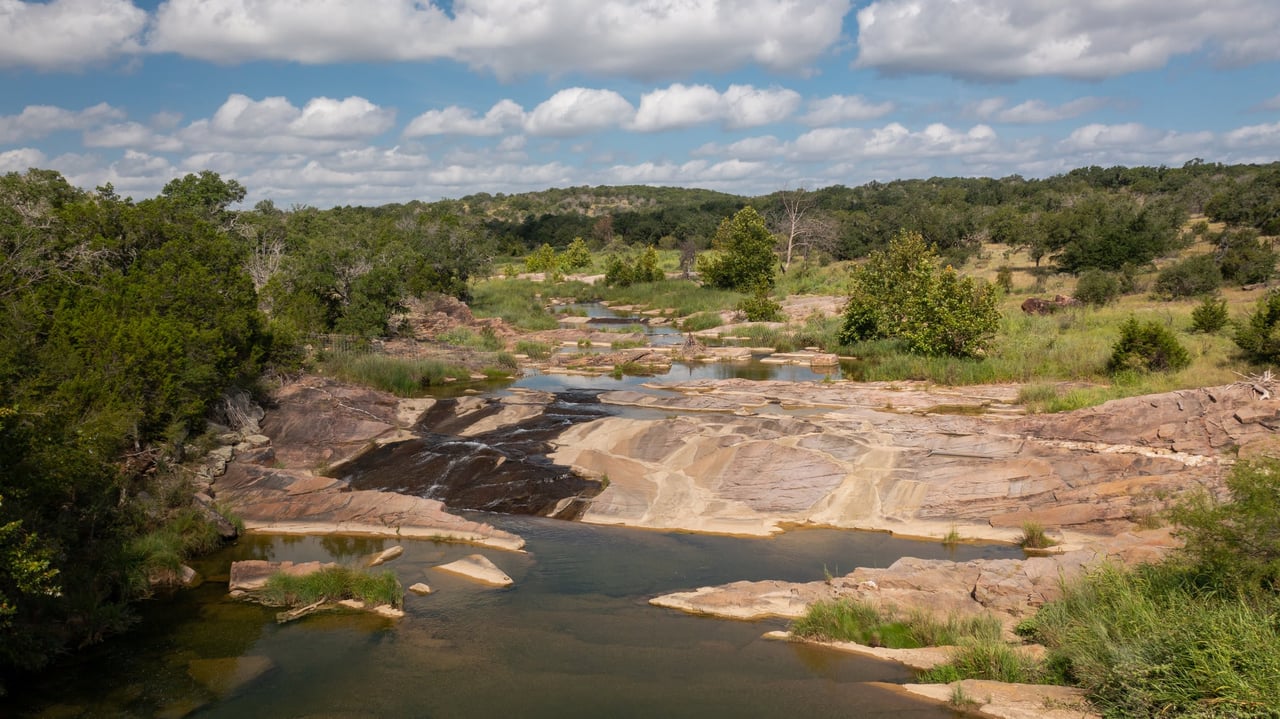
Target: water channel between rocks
{"points": [[574, 637]]}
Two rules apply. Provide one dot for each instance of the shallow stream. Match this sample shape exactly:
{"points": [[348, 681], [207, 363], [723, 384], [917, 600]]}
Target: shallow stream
{"points": [[574, 637]]}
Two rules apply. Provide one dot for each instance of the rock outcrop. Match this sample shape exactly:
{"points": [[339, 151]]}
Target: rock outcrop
{"points": [[1010, 589], [317, 423], [905, 458]]}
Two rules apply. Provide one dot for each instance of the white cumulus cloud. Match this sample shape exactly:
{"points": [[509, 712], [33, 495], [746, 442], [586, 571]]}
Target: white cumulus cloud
{"points": [[740, 106], [577, 110], [36, 121], [64, 34], [636, 38], [1004, 39], [838, 109], [454, 120], [1033, 111]]}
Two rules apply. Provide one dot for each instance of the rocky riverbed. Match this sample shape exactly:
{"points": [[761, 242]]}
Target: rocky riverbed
{"points": [[750, 457]]}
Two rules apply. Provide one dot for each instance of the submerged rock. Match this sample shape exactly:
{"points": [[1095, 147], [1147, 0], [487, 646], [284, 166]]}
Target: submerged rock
{"points": [[229, 675]]}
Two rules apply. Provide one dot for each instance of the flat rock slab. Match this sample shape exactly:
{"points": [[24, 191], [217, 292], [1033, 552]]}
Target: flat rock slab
{"points": [[479, 568], [1011, 701], [920, 659], [267, 501], [228, 675]]}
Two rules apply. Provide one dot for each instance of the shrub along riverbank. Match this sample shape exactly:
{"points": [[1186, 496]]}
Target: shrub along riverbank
{"points": [[1194, 635]]}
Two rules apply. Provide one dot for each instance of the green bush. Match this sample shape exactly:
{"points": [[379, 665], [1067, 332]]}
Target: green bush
{"points": [[1210, 315], [1097, 288], [1259, 334], [576, 256], [1245, 258], [1147, 346], [759, 307], [904, 293], [1237, 540], [1195, 275], [1004, 278]]}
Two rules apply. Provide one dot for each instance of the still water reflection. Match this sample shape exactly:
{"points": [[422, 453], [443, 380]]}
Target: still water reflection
{"points": [[574, 637]]}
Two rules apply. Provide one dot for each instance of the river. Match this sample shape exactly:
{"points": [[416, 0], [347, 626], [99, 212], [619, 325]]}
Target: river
{"points": [[574, 637]]}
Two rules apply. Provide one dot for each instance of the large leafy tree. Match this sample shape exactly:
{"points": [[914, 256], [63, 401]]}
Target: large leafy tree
{"points": [[745, 259], [905, 293]]}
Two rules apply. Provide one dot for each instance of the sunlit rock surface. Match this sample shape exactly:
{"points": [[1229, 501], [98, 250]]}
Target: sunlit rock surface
{"points": [[752, 457]]}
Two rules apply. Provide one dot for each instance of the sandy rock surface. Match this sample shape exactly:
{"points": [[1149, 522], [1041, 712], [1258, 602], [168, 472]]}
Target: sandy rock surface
{"points": [[479, 568], [750, 457]]}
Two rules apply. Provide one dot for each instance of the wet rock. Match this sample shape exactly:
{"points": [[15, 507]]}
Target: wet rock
{"points": [[420, 589], [386, 555], [479, 568]]}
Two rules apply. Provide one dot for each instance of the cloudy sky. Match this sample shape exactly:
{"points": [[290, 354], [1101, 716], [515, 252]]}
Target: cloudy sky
{"points": [[328, 102]]}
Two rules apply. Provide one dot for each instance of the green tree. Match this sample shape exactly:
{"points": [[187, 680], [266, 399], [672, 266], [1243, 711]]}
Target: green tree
{"points": [[1097, 287], [744, 259], [1189, 277], [576, 256], [904, 293], [542, 259], [1147, 347], [1258, 334]]}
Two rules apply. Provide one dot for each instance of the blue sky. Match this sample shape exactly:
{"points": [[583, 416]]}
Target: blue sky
{"points": [[327, 102]]}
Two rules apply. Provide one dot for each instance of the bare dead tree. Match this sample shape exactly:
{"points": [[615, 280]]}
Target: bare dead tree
{"points": [[802, 227]]}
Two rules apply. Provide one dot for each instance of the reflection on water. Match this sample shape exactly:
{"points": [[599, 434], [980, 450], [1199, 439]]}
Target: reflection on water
{"points": [[574, 637]]}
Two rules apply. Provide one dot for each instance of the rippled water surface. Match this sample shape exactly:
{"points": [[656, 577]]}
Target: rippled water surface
{"points": [[574, 637]]}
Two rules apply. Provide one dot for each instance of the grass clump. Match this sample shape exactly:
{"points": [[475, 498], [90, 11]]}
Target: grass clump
{"points": [[1034, 537], [853, 620], [333, 584], [701, 321], [184, 534], [402, 377], [994, 660], [534, 350]]}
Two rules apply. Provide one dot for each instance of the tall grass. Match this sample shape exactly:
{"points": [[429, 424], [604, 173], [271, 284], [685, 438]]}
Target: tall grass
{"points": [[400, 376], [852, 620], [184, 534], [519, 303], [683, 297], [994, 660], [1160, 640], [333, 584]]}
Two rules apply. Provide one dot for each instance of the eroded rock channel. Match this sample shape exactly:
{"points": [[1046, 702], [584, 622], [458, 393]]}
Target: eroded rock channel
{"points": [[487, 454]]}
